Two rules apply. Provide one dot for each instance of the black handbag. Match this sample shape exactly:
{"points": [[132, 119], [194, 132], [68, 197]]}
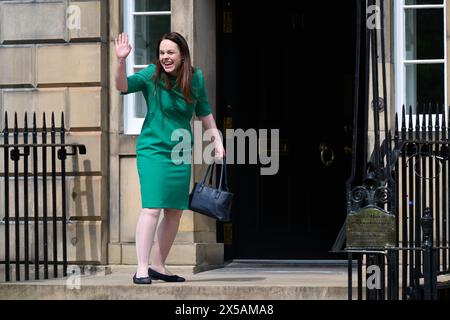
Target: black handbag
{"points": [[214, 202]]}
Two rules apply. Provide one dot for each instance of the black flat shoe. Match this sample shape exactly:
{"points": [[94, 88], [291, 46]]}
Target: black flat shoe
{"points": [[143, 280], [155, 275]]}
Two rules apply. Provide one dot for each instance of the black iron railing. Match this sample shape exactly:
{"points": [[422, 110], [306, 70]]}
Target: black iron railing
{"points": [[397, 225], [18, 217], [421, 170], [422, 175]]}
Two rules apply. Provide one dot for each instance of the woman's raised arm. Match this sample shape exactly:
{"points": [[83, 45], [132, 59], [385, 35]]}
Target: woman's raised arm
{"points": [[123, 49]]}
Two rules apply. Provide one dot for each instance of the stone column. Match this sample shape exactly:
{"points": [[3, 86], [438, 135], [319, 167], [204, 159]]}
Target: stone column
{"points": [[196, 241]]}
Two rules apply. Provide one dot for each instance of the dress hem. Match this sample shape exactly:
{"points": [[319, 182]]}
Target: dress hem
{"points": [[164, 207]]}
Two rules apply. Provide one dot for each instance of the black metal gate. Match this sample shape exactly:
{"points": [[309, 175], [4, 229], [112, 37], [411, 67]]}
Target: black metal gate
{"points": [[397, 225], [422, 175], [30, 212], [418, 198]]}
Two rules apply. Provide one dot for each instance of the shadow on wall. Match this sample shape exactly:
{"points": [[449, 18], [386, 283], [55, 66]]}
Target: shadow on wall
{"points": [[86, 240]]}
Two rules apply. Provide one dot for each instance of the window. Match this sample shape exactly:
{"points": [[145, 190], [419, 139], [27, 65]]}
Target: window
{"points": [[420, 54], [145, 22]]}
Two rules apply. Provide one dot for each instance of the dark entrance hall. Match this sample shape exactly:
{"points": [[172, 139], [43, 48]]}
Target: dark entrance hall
{"points": [[288, 66]]}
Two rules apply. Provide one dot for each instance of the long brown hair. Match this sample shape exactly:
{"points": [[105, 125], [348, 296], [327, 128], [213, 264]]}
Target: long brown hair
{"points": [[184, 76]]}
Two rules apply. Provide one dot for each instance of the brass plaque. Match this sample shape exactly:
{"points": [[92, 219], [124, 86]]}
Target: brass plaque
{"points": [[228, 123], [228, 22], [370, 228]]}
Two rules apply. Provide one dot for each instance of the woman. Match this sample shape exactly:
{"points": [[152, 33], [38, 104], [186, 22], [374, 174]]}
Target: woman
{"points": [[173, 90]]}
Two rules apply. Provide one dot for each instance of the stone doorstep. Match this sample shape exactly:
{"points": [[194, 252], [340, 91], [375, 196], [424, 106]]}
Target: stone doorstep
{"points": [[171, 292], [101, 270], [223, 284], [220, 284], [176, 269]]}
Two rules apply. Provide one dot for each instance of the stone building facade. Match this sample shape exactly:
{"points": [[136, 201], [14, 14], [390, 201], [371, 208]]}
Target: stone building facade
{"points": [[58, 56]]}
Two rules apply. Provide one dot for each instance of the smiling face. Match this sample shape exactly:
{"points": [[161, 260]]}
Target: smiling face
{"points": [[170, 57]]}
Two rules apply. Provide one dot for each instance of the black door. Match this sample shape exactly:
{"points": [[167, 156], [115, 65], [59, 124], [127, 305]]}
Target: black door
{"points": [[288, 65]]}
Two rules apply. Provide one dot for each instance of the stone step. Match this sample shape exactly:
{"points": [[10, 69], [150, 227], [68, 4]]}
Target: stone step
{"points": [[236, 281], [244, 283]]}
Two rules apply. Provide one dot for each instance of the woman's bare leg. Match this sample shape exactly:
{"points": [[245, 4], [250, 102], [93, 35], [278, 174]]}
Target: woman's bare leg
{"points": [[145, 235], [166, 234]]}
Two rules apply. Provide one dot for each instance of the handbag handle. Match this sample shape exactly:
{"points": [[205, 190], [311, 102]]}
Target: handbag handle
{"points": [[223, 172]]}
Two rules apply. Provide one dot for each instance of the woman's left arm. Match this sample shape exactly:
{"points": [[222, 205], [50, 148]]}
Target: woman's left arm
{"points": [[210, 124]]}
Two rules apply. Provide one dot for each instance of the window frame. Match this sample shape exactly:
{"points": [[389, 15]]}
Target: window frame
{"points": [[400, 56], [133, 124]]}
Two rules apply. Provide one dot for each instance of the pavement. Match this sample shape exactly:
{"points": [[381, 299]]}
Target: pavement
{"points": [[234, 281]]}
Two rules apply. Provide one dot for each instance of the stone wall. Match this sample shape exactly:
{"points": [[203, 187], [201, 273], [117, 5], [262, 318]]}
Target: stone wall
{"points": [[48, 64]]}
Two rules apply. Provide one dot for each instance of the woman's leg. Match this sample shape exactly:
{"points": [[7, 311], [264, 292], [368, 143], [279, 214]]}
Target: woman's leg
{"points": [[145, 235], [166, 234]]}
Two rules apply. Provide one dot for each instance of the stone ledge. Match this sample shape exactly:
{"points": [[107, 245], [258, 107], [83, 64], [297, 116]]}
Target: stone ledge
{"points": [[165, 291], [221, 284]]}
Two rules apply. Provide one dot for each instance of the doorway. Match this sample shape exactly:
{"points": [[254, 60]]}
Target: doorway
{"points": [[283, 67]]}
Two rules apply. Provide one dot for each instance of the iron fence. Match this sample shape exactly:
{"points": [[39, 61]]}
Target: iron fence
{"points": [[397, 225], [30, 201], [422, 173], [421, 205]]}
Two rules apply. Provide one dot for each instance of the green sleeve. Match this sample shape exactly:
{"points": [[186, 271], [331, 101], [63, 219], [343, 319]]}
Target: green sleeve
{"points": [[139, 81], [202, 107]]}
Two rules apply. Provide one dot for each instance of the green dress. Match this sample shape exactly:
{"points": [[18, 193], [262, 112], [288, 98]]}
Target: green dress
{"points": [[165, 183]]}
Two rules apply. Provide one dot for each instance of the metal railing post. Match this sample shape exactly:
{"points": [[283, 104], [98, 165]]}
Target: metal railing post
{"points": [[6, 195], [427, 247]]}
